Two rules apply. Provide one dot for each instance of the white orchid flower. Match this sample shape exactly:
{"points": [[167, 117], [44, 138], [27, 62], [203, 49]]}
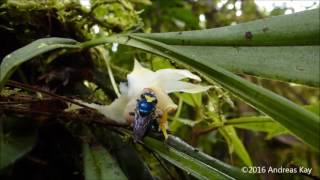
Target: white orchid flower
{"points": [[161, 82]]}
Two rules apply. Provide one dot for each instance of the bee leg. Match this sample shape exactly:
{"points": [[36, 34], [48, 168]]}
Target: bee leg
{"points": [[163, 124]]}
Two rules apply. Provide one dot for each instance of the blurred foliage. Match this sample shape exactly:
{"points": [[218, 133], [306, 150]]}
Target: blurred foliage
{"points": [[201, 119]]}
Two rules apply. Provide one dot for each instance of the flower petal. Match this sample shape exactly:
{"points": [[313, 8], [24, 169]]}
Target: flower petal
{"points": [[176, 74], [169, 81], [180, 86], [114, 111], [139, 79], [123, 88]]}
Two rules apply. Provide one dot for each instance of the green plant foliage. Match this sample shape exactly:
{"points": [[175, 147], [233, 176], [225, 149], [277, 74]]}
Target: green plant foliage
{"points": [[260, 124], [126, 155], [267, 62], [185, 162], [181, 146], [194, 100], [36, 48], [98, 163], [274, 31], [264, 123], [228, 47], [15, 142], [234, 143]]}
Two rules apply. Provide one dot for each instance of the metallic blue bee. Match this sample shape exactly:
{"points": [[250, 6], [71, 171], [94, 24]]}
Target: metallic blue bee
{"points": [[145, 115]]}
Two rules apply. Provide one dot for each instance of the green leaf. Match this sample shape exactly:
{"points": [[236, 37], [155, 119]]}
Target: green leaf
{"points": [[99, 164], [14, 142], [255, 123], [315, 108], [284, 47], [265, 123], [267, 62], [299, 121], [260, 124], [233, 140], [128, 158], [12, 61], [235, 144], [187, 122], [194, 100], [189, 159], [160, 63], [296, 29], [183, 147], [14, 148], [185, 162], [277, 131]]}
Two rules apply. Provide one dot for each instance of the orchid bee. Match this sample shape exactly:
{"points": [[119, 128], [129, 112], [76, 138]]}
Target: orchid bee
{"points": [[145, 114]]}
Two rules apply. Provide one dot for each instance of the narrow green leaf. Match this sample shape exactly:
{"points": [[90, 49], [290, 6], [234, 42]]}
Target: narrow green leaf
{"points": [[259, 124], [183, 147], [194, 100], [12, 61], [98, 163], [128, 158], [90, 169], [277, 131], [315, 108], [160, 63], [265, 123], [235, 144], [272, 48], [13, 148], [188, 158], [13, 144], [187, 122], [295, 29], [298, 64], [184, 161], [255, 123]]}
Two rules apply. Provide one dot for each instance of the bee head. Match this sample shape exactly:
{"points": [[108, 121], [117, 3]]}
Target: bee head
{"points": [[147, 103], [149, 97]]}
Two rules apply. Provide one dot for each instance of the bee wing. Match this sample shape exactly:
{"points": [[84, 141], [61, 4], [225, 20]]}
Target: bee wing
{"points": [[141, 125]]}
